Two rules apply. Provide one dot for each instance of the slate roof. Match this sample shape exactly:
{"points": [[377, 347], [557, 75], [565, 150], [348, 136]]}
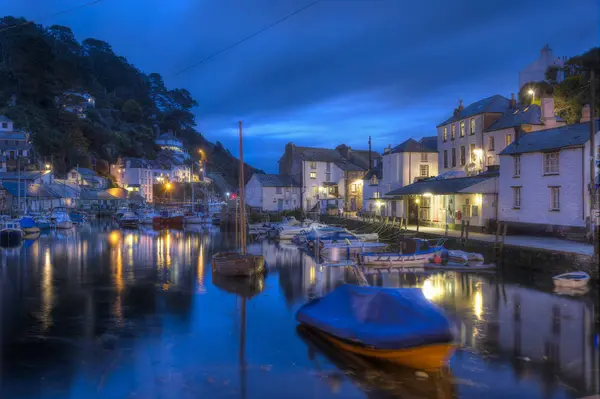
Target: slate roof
{"points": [[524, 115], [4, 119], [551, 139], [429, 142], [319, 154], [412, 145], [444, 186], [87, 172], [42, 191], [95, 195], [348, 166], [267, 180], [493, 104], [24, 175]]}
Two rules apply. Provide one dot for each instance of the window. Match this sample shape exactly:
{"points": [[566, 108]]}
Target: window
{"points": [[472, 126], [462, 129], [376, 194], [313, 165], [466, 208], [551, 163], [491, 143], [517, 163], [374, 180], [453, 131], [516, 197], [313, 175], [4, 125], [73, 175], [327, 176], [315, 191], [445, 158], [554, 198], [474, 211], [424, 170], [490, 160], [508, 139], [453, 157], [445, 134], [278, 190], [472, 153], [328, 167], [463, 155], [353, 188], [423, 157]]}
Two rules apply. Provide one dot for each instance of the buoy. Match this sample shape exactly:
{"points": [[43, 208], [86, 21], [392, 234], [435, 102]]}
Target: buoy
{"points": [[437, 259]]}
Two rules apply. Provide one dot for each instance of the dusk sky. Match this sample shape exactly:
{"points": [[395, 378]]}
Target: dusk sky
{"points": [[335, 73]]}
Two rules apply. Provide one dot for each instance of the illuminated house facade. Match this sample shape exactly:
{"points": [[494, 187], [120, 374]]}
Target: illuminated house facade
{"points": [[169, 142], [135, 175]]}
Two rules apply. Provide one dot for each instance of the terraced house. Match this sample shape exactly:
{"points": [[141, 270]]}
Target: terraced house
{"points": [[328, 178]]}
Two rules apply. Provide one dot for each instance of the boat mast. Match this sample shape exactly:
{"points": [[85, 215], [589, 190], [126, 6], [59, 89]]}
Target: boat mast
{"points": [[192, 182], [241, 196]]}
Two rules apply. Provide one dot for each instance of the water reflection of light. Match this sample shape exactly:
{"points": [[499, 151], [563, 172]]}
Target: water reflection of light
{"points": [[478, 304], [47, 291], [120, 286], [167, 250], [114, 237], [431, 291], [201, 288], [311, 275]]}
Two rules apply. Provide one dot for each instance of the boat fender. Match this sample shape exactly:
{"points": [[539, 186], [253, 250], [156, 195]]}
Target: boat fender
{"points": [[437, 259]]}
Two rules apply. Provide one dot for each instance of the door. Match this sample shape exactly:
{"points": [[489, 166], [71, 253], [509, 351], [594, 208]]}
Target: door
{"points": [[413, 211], [279, 205], [353, 204]]}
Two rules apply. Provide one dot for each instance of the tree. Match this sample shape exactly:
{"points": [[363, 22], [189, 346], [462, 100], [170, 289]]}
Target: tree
{"points": [[132, 112]]}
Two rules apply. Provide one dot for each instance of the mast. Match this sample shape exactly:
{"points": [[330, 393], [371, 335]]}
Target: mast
{"points": [[370, 159], [192, 182], [241, 196]]}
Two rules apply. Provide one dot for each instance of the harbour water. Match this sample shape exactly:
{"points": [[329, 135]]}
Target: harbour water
{"points": [[98, 312]]}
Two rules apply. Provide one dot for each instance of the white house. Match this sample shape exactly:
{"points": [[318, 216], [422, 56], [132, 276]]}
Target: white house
{"points": [[15, 148], [545, 179], [86, 177], [134, 175], [536, 71], [328, 178], [373, 190], [272, 193], [169, 142]]}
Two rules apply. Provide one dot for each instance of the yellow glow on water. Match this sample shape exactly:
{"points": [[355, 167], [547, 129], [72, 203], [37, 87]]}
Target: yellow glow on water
{"points": [[311, 275], [431, 290], [200, 271], [114, 237], [47, 291], [478, 304]]}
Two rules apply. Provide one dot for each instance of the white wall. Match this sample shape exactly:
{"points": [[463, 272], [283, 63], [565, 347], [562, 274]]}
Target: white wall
{"points": [[499, 145], [466, 141], [401, 168], [370, 192], [253, 193], [267, 198], [535, 194], [337, 176]]}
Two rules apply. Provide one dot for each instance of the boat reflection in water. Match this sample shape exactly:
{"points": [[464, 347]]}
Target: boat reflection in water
{"points": [[96, 311]]}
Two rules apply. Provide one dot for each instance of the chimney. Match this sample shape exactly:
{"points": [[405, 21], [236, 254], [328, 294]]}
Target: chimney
{"points": [[512, 102], [585, 114], [548, 109], [370, 158], [387, 150]]}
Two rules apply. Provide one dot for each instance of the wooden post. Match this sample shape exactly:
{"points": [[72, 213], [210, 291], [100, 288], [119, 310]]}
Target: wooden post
{"points": [[446, 231], [592, 183]]}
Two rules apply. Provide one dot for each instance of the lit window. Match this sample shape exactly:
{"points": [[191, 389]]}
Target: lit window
{"points": [[423, 157], [551, 163], [313, 165], [445, 134], [517, 162], [353, 188], [554, 198], [462, 129], [472, 152], [472, 126], [313, 175], [374, 180], [452, 131], [508, 139], [491, 143], [516, 197], [424, 170]]}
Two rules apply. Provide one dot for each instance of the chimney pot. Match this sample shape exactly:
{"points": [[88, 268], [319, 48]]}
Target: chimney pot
{"points": [[585, 114]]}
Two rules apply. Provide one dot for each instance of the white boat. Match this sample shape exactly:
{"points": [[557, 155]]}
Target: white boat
{"points": [[287, 233], [416, 252], [147, 216], [367, 236], [60, 218], [196, 218], [11, 233], [129, 219], [571, 280], [121, 211]]}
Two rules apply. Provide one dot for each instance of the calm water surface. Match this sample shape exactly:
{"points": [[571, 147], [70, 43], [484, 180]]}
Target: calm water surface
{"points": [[101, 313]]}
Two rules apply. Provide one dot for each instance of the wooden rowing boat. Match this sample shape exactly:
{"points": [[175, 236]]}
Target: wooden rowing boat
{"points": [[237, 264]]}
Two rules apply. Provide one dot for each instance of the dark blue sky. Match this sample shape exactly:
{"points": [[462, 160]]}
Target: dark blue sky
{"points": [[337, 72]]}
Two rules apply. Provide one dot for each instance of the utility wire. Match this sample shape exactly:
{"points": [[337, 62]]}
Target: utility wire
{"points": [[66, 11], [298, 11]]}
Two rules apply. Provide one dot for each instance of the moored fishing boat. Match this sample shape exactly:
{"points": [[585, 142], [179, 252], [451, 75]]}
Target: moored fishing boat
{"points": [[571, 280], [147, 216], [129, 220], [168, 219], [43, 222], [60, 219], [28, 225], [416, 252], [394, 325], [196, 218], [10, 233]]}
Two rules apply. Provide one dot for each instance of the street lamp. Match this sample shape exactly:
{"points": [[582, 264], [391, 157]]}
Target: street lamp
{"points": [[532, 94]]}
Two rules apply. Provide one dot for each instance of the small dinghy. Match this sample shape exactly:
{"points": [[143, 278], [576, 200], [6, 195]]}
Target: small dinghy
{"points": [[390, 324], [571, 280], [415, 252]]}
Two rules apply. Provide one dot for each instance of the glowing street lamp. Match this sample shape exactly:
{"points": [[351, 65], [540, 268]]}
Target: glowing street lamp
{"points": [[168, 186], [532, 94]]}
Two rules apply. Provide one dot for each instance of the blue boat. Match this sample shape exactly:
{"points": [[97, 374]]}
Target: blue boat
{"points": [[77, 217], [28, 225], [396, 325]]}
